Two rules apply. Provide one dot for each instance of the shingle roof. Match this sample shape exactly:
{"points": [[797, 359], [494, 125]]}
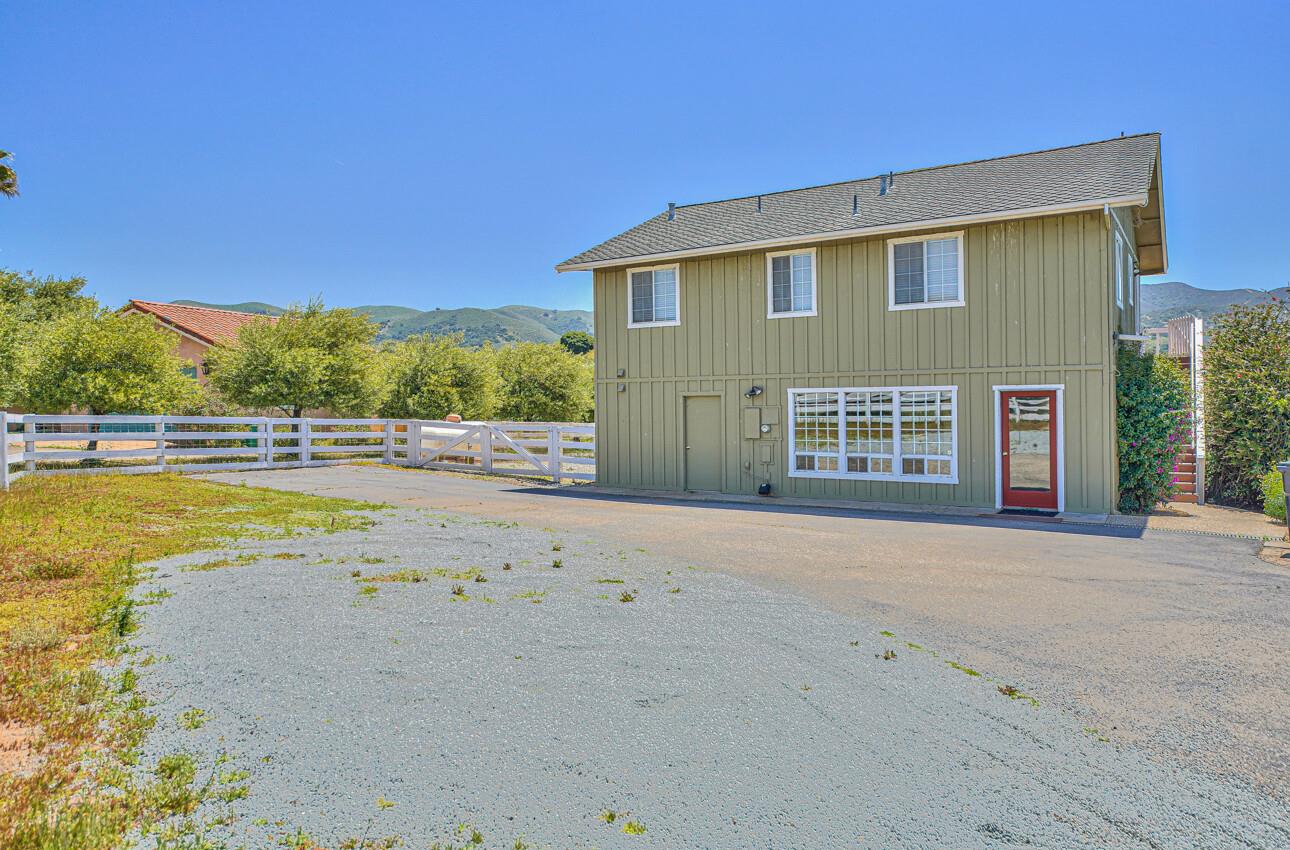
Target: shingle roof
{"points": [[1115, 168], [206, 323]]}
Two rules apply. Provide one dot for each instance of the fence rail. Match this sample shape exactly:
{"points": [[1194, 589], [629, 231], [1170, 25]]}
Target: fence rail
{"points": [[34, 444]]}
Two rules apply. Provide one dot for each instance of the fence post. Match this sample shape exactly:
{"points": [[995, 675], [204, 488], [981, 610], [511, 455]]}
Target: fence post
{"points": [[486, 447], [414, 442], [160, 427], [302, 428], [553, 451], [29, 441], [265, 443], [4, 450], [389, 442]]}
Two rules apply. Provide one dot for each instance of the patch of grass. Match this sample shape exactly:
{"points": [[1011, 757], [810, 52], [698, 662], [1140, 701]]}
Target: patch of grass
{"points": [[288, 556], [886, 634], [534, 596], [239, 561], [68, 553], [633, 827], [400, 576], [369, 559], [1096, 735], [609, 581], [961, 668]]}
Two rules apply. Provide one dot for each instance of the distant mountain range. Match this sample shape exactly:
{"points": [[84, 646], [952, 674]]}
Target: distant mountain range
{"points": [[1164, 301], [514, 323]]}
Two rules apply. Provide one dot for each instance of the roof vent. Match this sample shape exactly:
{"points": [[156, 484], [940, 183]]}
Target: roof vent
{"points": [[855, 204], [671, 212], [888, 182], [759, 203]]}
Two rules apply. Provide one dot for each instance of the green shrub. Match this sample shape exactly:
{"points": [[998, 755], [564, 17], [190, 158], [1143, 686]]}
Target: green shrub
{"points": [[1153, 425], [429, 377], [1247, 400], [1274, 495], [543, 382]]}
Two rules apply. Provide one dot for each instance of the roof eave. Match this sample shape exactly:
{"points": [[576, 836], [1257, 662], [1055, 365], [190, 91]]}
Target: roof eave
{"points": [[1139, 198]]}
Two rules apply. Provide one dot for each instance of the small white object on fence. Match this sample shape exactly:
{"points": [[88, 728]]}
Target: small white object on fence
{"points": [[131, 444]]}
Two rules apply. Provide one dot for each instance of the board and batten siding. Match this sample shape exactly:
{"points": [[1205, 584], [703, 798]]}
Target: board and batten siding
{"points": [[1037, 312]]}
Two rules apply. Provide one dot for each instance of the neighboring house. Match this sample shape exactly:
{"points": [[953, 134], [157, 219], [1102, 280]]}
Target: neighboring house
{"points": [[945, 335], [198, 328]]}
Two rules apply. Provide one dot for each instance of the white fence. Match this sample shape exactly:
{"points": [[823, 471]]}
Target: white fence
{"points": [[52, 445]]}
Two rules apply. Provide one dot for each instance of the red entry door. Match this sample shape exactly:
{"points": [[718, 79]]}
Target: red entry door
{"points": [[1029, 449]]}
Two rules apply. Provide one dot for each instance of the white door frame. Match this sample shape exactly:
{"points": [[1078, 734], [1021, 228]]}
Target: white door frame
{"points": [[1059, 418]]}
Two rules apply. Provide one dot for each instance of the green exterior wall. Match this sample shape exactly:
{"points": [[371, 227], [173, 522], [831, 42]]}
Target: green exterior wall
{"points": [[1039, 310]]}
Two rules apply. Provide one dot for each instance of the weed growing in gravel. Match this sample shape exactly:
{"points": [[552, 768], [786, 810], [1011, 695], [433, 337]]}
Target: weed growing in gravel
{"points": [[401, 576], [627, 596], [886, 634], [556, 547], [152, 597], [1012, 692], [609, 581], [1096, 735], [239, 561], [968, 670], [480, 577], [192, 719], [458, 590], [506, 566], [369, 559], [609, 816], [854, 643], [633, 827], [382, 803], [368, 591], [534, 596], [557, 563], [288, 556], [888, 655], [674, 590]]}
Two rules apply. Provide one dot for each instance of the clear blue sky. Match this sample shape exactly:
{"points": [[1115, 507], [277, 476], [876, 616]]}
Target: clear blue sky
{"points": [[449, 154]]}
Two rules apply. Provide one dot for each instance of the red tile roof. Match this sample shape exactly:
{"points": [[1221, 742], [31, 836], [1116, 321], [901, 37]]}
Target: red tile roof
{"points": [[206, 323]]}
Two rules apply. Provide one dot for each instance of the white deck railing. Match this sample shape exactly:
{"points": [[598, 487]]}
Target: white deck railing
{"points": [[52, 445]]}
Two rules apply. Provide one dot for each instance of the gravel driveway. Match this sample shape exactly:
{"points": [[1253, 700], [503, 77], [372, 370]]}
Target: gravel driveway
{"points": [[707, 711]]}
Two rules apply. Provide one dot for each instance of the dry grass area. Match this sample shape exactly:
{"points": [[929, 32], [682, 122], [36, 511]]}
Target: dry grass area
{"points": [[70, 720]]}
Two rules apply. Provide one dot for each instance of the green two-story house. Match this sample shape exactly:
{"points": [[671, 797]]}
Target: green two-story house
{"points": [[939, 336]]}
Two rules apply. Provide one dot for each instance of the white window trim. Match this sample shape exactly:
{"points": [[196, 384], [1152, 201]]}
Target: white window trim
{"points": [[667, 324], [1119, 270], [770, 285], [896, 456], [1059, 419], [891, 272]]}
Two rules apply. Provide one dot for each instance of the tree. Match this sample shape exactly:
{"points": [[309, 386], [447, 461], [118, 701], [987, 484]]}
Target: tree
{"points": [[578, 342], [311, 358], [8, 177], [104, 362], [1247, 400], [428, 377], [29, 306], [1153, 424], [544, 383]]}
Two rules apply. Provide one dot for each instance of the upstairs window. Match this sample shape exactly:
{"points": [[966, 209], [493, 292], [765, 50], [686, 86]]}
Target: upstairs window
{"points": [[790, 277], [653, 296], [925, 271]]}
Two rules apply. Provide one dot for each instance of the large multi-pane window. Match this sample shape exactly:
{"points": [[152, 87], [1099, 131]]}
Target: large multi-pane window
{"points": [[653, 296], [926, 271], [875, 433], [791, 277]]}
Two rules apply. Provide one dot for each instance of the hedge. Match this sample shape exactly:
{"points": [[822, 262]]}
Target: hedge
{"points": [[1153, 425], [1247, 401]]}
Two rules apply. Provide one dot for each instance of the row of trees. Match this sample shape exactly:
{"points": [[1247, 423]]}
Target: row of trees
{"points": [[61, 350]]}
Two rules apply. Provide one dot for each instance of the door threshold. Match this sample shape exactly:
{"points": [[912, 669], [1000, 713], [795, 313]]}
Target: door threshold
{"points": [[1036, 513]]}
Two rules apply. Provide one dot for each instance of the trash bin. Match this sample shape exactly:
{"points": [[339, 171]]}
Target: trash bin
{"points": [[1284, 467]]}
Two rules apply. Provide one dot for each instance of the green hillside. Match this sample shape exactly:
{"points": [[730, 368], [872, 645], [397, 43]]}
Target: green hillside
{"points": [[512, 323], [1171, 299]]}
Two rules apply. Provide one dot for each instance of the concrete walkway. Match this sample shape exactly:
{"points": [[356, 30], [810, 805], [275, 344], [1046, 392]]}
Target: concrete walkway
{"points": [[1178, 643]]}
